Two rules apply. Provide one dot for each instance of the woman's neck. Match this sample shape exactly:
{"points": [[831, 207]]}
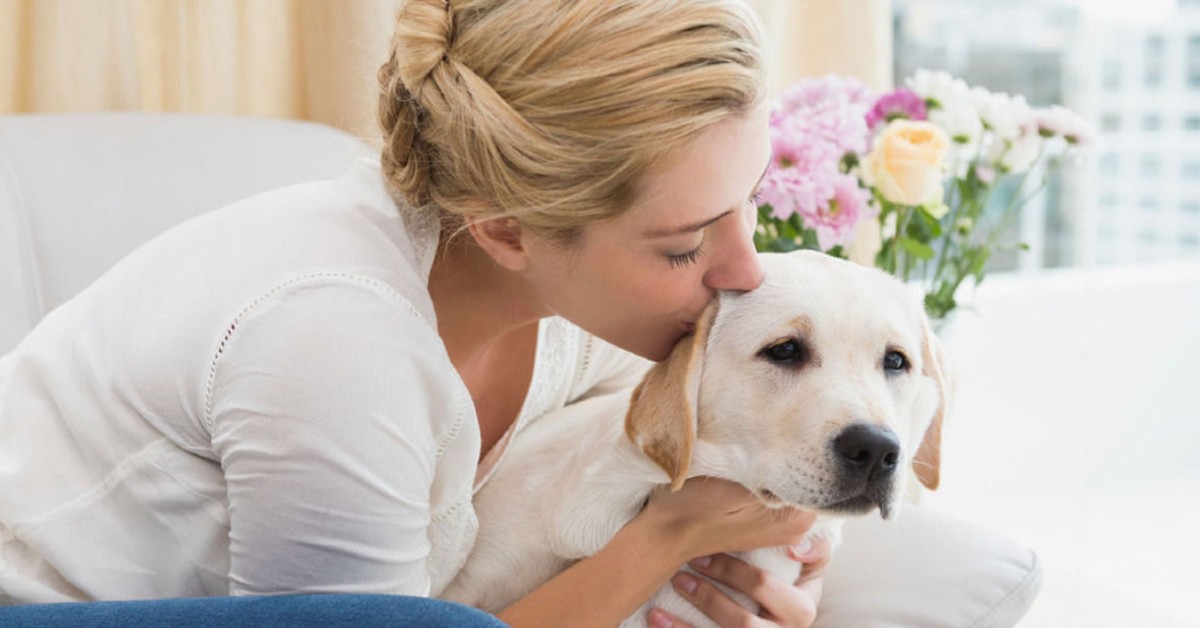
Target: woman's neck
{"points": [[479, 304]]}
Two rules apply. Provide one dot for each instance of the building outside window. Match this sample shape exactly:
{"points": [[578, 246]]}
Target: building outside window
{"points": [[1153, 53]]}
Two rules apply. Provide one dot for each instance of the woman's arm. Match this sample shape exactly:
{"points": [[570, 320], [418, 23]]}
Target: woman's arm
{"points": [[326, 409], [707, 516]]}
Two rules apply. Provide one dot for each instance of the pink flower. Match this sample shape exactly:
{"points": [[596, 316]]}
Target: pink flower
{"points": [[831, 109], [902, 103], [801, 175], [817, 123], [832, 122], [831, 87], [836, 219]]}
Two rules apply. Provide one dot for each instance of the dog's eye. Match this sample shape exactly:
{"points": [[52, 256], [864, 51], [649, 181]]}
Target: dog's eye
{"points": [[788, 351], [895, 361]]}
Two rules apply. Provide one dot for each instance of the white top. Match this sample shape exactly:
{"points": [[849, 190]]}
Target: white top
{"points": [[257, 402]]}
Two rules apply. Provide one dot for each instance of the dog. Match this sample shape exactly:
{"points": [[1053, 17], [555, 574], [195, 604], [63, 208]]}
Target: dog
{"points": [[815, 390]]}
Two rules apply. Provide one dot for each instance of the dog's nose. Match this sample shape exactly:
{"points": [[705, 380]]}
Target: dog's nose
{"points": [[868, 450]]}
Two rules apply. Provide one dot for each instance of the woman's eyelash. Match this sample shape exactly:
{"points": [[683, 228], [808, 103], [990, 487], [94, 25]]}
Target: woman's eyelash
{"points": [[756, 197], [685, 259]]}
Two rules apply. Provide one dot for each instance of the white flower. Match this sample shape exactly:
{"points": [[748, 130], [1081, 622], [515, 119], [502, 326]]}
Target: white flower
{"points": [[959, 160], [979, 97], [961, 123], [942, 88], [1007, 116], [965, 130], [1022, 153], [1060, 121], [1015, 156]]}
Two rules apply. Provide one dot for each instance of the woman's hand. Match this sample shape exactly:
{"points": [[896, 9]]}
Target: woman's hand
{"points": [[783, 603], [712, 516], [724, 516]]}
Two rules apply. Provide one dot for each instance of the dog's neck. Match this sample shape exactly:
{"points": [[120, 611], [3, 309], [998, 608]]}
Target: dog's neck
{"points": [[606, 489], [599, 494]]}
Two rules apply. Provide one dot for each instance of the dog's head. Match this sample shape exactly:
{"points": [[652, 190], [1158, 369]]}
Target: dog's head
{"points": [[817, 390]]}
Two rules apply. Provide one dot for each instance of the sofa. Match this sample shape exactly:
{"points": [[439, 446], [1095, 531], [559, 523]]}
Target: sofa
{"points": [[79, 191]]}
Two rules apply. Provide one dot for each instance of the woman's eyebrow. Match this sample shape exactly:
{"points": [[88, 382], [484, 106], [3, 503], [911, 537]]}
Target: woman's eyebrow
{"points": [[660, 233], [692, 228]]}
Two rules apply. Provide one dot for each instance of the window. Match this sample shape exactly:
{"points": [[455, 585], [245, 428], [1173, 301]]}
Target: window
{"points": [[1191, 123], [1110, 164], [1150, 166], [1112, 76], [1154, 46], [1110, 122], [1154, 76], [1191, 207], [1193, 62], [1191, 169], [1151, 122], [1149, 203], [1152, 63]]}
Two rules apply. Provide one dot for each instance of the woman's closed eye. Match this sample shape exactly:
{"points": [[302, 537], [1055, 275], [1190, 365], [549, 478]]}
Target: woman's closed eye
{"points": [[686, 259]]}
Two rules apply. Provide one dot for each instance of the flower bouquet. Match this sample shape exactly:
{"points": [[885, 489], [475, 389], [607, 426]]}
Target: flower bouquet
{"points": [[918, 170]]}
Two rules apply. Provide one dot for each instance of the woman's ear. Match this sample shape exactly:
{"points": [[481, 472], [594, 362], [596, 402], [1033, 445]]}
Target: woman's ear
{"points": [[502, 239]]}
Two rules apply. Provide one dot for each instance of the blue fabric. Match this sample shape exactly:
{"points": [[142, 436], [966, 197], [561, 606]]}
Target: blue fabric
{"points": [[332, 610]]}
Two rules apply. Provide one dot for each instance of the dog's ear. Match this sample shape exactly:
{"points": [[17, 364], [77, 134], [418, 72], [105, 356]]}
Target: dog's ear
{"points": [[928, 461], [662, 410]]}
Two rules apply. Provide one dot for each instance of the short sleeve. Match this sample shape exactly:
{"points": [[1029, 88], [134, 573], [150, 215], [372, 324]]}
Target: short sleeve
{"points": [[326, 406]]}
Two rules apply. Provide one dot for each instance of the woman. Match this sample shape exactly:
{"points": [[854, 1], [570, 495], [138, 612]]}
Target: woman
{"points": [[299, 393]]}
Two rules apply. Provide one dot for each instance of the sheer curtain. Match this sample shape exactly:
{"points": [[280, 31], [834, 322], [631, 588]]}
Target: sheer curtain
{"points": [[310, 59]]}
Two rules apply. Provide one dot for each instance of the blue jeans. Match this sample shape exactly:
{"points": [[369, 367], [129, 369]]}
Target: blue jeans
{"points": [[329, 610]]}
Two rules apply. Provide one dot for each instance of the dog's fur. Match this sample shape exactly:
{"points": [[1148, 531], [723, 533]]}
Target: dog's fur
{"points": [[720, 406]]}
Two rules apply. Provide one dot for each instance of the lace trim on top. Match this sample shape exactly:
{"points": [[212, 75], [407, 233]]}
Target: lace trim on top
{"points": [[553, 366]]}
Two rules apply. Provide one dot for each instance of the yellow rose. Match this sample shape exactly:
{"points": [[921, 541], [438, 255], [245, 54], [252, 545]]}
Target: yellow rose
{"points": [[905, 164]]}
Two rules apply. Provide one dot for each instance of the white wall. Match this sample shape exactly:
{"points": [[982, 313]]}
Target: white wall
{"points": [[1077, 431]]}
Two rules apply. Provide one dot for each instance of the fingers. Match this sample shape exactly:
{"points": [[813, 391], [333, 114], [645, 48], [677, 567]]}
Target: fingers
{"points": [[662, 619], [713, 602], [740, 576], [814, 553], [781, 601]]}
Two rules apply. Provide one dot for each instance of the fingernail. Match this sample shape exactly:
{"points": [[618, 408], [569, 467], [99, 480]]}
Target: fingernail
{"points": [[686, 582], [659, 619], [802, 548], [701, 563]]}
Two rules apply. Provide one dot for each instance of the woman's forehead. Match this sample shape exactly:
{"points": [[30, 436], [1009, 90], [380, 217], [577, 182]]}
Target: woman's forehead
{"points": [[713, 175]]}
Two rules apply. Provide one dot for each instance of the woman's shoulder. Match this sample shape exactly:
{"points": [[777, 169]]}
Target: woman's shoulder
{"points": [[341, 230]]}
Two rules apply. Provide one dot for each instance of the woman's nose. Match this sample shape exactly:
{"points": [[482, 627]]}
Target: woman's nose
{"points": [[738, 267]]}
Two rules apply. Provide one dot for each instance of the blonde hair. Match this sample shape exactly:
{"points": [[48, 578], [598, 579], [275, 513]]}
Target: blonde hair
{"points": [[548, 111]]}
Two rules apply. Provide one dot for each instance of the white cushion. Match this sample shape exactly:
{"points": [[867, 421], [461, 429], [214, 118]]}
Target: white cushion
{"points": [[80, 191], [927, 569]]}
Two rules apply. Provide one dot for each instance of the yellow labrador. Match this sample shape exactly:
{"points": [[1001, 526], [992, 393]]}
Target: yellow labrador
{"points": [[816, 390]]}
